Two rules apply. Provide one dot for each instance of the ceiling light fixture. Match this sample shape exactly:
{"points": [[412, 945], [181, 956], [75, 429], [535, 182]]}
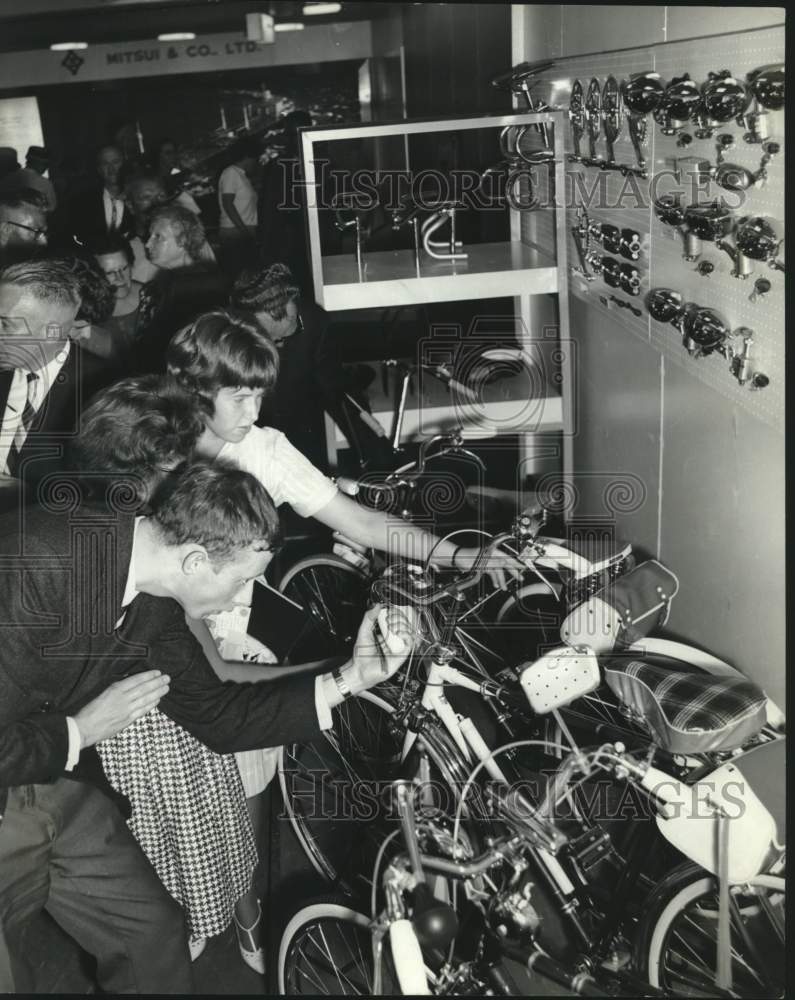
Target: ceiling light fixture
{"points": [[321, 8], [64, 46], [289, 26], [177, 36]]}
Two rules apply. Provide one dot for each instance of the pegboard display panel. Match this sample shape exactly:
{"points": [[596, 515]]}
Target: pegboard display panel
{"points": [[730, 297], [627, 202], [606, 196]]}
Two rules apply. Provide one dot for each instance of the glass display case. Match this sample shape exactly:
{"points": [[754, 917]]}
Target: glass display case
{"points": [[388, 226]]}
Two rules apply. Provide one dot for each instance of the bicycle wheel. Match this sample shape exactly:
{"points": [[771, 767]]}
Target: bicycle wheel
{"points": [[529, 621], [336, 792], [326, 949], [678, 936], [332, 787], [334, 593]]}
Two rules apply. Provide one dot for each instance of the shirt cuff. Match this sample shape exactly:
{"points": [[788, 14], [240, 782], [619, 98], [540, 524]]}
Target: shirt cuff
{"points": [[73, 755], [322, 706]]}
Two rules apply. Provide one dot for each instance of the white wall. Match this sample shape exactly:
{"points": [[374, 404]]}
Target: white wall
{"points": [[572, 29], [713, 470]]}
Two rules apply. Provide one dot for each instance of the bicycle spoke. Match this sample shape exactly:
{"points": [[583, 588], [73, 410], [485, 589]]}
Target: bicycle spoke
{"points": [[339, 973], [686, 958]]}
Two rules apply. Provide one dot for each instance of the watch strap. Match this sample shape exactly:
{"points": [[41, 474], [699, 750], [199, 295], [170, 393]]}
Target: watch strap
{"points": [[342, 684]]}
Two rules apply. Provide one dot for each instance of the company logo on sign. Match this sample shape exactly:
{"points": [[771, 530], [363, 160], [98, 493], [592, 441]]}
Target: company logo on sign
{"points": [[72, 61]]}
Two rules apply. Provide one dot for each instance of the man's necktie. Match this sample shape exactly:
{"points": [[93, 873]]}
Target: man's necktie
{"points": [[114, 215], [28, 415]]}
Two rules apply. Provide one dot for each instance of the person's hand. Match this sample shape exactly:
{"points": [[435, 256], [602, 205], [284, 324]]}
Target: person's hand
{"points": [[501, 567], [120, 704], [373, 660]]}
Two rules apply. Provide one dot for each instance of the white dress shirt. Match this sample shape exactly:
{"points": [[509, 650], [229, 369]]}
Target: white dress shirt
{"points": [[20, 392], [109, 201]]}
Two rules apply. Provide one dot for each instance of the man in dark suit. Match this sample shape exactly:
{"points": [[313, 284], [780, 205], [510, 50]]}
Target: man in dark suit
{"points": [[102, 210], [45, 379], [93, 636]]}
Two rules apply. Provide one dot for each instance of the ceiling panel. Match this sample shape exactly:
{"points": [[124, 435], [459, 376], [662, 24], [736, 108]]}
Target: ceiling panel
{"points": [[36, 24]]}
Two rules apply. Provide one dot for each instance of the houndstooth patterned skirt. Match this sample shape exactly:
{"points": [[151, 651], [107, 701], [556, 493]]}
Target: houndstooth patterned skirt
{"points": [[188, 814]]}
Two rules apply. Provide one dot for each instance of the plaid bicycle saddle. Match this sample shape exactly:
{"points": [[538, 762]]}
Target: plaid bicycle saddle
{"points": [[687, 712]]}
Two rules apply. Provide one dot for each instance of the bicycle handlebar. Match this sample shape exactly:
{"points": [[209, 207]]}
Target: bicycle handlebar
{"points": [[456, 586]]}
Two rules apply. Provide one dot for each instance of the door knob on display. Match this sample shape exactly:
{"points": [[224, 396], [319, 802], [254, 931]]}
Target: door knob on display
{"points": [[665, 305], [708, 223], [678, 105], [761, 287], [755, 239], [723, 98], [767, 87], [704, 331]]}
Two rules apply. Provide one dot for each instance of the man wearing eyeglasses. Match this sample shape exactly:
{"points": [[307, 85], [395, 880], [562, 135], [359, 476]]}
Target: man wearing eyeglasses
{"points": [[23, 229], [45, 380]]}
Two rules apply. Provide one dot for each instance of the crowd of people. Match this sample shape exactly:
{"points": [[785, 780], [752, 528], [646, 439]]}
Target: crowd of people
{"points": [[153, 412]]}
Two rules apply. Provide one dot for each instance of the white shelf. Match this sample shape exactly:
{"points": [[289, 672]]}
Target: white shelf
{"points": [[392, 278], [519, 404]]}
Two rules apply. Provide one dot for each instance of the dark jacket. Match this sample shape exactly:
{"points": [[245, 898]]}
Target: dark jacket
{"points": [[62, 579], [311, 380], [57, 420], [171, 300], [85, 218]]}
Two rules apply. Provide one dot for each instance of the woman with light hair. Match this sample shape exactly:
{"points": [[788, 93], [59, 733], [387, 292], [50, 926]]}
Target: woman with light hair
{"points": [[187, 282], [144, 193]]}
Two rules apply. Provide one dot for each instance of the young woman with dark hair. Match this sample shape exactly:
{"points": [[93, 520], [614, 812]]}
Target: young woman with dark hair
{"points": [[230, 364]]}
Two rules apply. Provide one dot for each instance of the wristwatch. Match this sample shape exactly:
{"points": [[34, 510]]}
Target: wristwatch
{"points": [[342, 684]]}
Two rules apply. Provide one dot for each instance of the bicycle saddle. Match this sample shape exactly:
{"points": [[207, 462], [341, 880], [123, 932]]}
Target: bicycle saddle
{"points": [[687, 712]]}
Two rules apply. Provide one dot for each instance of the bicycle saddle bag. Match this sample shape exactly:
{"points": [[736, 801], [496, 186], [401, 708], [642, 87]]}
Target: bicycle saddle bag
{"points": [[624, 611], [558, 678], [689, 713]]}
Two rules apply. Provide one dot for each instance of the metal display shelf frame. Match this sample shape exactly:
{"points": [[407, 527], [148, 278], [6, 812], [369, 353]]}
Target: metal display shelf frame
{"points": [[514, 268], [391, 278]]}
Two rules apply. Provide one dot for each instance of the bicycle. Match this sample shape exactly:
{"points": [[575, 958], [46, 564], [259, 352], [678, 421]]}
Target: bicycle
{"points": [[729, 903], [374, 734]]}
